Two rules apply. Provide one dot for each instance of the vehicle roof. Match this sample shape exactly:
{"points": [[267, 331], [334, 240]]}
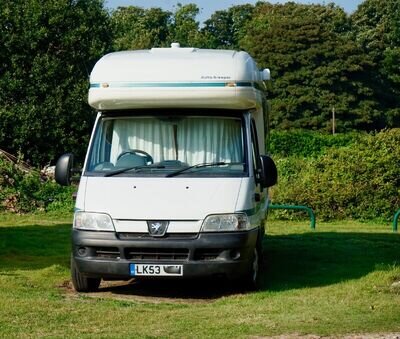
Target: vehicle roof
{"points": [[181, 77]]}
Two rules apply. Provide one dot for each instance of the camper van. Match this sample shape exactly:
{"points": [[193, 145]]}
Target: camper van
{"points": [[175, 180]]}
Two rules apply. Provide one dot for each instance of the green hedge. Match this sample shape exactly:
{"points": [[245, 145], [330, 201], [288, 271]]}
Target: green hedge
{"points": [[361, 180], [307, 143]]}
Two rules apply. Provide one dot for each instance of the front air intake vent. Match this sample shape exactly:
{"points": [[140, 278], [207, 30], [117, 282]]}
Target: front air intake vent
{"points": [[157, 253], [106, 252]]}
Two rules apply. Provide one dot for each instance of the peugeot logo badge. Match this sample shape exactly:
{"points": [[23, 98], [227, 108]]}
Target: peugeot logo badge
{"points": [[157, 228]]}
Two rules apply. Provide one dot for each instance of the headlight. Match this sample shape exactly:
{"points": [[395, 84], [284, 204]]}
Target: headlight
{"points": [[93, 222], [226, 222]]}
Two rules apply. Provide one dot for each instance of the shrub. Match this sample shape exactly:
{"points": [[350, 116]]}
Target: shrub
{"points": [[307, 143], [359, 181], [22, 192]]}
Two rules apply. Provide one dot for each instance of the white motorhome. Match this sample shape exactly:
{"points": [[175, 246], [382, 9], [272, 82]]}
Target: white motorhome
{"points": [[175, 181]]}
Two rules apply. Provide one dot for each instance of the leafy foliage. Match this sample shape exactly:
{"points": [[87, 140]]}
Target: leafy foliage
{"points": [[22, 192], [360, 181], [376, 26], [316, 67], [48, 48], [303, 143], [138, 28], [184, 28], [225, 28]]}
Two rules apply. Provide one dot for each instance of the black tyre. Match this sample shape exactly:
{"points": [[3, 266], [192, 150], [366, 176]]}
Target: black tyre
{"points": [[82, 283], [252, 280]]}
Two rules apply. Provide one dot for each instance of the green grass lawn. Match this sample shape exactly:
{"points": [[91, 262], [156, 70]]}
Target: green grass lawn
{"points": [[335, 280]]}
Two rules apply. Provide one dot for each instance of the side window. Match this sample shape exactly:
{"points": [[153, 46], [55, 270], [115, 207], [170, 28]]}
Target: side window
{"points": [[255, 150]]}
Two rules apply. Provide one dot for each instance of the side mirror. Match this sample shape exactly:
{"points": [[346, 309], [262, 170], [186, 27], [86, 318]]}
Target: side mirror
{"points": [[64, 168], [265, 74], [269, 172]]}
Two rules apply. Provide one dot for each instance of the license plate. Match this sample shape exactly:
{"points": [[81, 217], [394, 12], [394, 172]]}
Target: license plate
{"points": [[155, 270]]}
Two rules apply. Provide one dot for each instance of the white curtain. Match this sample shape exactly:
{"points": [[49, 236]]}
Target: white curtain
{"points": [[150, 135], [199, 140], [209, 140]]}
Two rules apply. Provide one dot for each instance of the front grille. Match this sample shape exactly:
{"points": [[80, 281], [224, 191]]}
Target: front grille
{"points": [[147, 236], [106, 252], [157, 253], [207, 253]]}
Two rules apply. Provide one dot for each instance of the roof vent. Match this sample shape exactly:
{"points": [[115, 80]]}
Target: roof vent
{"points": [[175, 45]]}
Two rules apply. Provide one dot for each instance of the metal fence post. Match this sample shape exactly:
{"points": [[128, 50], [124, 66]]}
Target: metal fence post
{"points": [[395, 220], [298, 207]]}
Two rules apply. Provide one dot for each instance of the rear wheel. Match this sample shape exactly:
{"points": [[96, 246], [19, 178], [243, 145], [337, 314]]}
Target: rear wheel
{"points": [[82, 283]]}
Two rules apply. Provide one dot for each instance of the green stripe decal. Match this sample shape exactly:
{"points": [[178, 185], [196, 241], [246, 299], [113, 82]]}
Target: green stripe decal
{"points": [[244, 84], [168, 84]]}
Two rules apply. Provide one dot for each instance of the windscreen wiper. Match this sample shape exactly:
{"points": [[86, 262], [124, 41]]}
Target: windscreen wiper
{"points": [[127, 169], [205, 164]]}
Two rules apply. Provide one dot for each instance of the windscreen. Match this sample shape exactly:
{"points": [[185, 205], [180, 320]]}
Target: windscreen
{"points": [[166, 144]]}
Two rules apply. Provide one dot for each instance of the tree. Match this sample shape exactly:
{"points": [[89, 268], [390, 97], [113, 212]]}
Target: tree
{"points": [[315, 66], [225, 28], [48, 49], [377, 28], [138, 28], [184, 28]]}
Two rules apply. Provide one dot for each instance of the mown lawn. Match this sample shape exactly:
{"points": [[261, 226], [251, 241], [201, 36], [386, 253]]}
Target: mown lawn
{"points": [[335, 280]]}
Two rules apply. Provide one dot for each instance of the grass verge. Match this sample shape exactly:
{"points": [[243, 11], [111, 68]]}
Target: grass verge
{"points": [[335, 280]]}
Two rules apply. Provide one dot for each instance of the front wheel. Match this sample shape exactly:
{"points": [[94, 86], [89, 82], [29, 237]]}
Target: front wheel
{"points": [[82, 283], [252, 281]]}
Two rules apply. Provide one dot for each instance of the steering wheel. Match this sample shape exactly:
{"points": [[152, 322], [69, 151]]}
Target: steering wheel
{"points": [[149, 158]]}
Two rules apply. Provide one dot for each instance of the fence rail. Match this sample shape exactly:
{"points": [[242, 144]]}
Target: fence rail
{"points": [[297, 207]]}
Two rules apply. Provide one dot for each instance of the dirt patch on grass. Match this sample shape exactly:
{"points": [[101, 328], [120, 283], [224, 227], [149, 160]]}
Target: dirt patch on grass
{"points": [[160, 291]]}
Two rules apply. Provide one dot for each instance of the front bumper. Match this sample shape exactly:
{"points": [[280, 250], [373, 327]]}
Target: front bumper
{"points": [[109, 255]]}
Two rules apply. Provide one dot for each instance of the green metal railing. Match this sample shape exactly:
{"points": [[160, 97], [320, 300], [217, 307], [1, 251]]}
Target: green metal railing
{"points": [[395, 220], [297, 207], [312, 215]]}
